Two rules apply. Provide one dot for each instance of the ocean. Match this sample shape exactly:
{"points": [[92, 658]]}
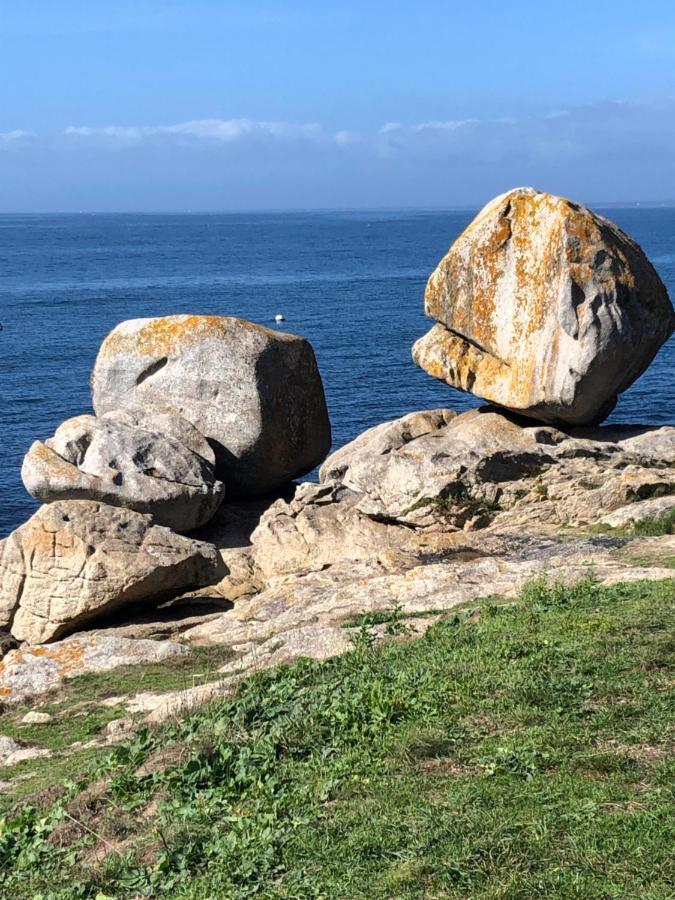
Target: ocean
{"points": [[351, 282]]}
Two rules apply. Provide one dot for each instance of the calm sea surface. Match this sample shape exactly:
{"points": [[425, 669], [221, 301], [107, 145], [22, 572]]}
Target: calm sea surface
{"points": [[350, 282]]}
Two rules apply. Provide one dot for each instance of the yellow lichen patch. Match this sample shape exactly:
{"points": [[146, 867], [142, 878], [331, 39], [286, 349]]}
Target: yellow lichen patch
{"points": [[167, 335], [50, 461]]}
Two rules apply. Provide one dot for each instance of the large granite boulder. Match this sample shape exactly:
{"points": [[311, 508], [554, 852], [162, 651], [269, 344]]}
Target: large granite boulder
{"points": [[77, 560], [256, 394], [544, 307], [123, 459]]}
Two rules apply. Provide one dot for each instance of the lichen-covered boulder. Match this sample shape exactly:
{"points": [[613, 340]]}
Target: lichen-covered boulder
{"points": [[544, 307], [120, 459], [77, 560], [256, 394]]}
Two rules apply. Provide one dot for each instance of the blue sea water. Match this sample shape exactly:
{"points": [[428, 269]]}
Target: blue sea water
{"points": [[351, 282]]}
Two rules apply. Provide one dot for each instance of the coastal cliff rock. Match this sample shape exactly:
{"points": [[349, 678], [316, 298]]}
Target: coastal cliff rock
{"points": [[402, 467], [420, 514], [254, 393], [75, 561], [545, 308], [118, 459]]}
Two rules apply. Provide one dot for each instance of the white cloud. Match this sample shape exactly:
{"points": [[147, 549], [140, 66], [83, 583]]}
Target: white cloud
{"points": [[226, 131], [18, 134], [443, 127], [607, 136]]}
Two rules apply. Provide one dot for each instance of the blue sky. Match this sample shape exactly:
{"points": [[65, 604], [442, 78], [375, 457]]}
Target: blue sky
{"points": [[249, 105]]}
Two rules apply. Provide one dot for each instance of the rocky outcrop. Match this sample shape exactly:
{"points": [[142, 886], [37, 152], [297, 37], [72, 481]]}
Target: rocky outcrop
{"points": [[544, 307], [75, 561], [483, 468], [403, 468], [123, 459], [255, 394], [420, 515], [480, 564]]}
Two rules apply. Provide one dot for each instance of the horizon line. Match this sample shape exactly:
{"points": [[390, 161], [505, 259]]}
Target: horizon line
{"points": [[465, 207]]}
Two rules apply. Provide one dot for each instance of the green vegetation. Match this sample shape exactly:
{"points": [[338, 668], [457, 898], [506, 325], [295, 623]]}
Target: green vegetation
{"points": [[523, 752], [78, 712], [461, 500], [657, 525]]}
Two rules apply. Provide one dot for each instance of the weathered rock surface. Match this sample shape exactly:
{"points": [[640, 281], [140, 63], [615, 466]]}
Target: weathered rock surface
{"points": [[482, 468], [423, 515], [637, 512], [400, 468], [30, 671], [544, 307], [77, 560], [164, 420], [482, 563], [256, 394], [36, 718], [123, 459]]}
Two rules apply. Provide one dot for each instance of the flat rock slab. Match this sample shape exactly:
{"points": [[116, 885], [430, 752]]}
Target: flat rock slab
{"points": [[254, 393], [122, 459], [334, 595], [30, 671], [545, 308], [75, 561]]}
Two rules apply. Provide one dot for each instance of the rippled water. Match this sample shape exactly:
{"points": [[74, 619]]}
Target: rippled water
{"points": [[350, 282]]}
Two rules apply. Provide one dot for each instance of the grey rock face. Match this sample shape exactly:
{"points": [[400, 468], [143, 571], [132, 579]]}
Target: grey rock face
{"points": [[545, 308], [76, 560], [164, 421], [255, 394], [124, 460], [435, 461]]}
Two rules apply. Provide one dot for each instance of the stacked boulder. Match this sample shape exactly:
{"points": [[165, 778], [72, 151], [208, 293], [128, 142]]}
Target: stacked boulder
{"points": [[545, 308], [189, 409]]}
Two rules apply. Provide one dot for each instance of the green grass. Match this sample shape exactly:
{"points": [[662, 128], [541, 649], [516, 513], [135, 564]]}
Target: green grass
{"points": [[79, 715], [525, 752], [656, 525]]}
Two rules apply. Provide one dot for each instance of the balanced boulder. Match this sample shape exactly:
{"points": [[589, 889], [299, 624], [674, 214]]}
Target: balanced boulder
{"points": [[121, 459], [544, 307], [256, 394], [77, 560]]}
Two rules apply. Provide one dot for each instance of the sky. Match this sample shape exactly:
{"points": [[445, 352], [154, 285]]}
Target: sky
{"points": [[204, 105]]}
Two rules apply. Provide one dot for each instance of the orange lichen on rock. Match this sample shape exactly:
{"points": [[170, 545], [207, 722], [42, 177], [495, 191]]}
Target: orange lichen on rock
{"points": [[168, 334]]}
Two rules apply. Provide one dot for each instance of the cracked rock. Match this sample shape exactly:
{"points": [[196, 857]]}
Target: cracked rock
{"points": [[77, 560], [254, 393]]}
